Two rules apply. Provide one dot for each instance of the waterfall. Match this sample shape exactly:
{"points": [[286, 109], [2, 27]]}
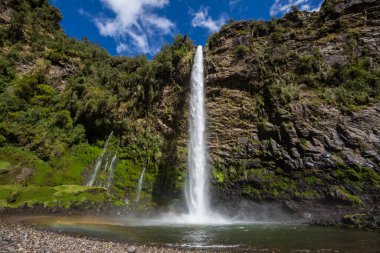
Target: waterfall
{"points": [[197, 183], [111, 169], [139, 187], [107, 161], [99, 162]]}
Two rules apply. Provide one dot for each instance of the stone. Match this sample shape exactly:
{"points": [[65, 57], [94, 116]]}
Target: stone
{"points": [[132, 249]]}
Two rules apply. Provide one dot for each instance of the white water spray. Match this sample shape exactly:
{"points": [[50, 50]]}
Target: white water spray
{"points": [[197, 184], [139, 187], [107, 161], [111, 169], [99, 162]]}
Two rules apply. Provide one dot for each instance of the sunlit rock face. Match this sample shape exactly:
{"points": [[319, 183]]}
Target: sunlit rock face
{"points": [[288, 118]]}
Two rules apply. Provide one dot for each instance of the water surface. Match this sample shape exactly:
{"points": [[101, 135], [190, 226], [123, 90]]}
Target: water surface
{"points": [[277, 237]]}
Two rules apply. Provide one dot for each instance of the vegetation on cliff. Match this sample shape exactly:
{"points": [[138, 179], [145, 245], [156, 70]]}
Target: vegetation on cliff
{"points": [[300, 98], [61, 97]]}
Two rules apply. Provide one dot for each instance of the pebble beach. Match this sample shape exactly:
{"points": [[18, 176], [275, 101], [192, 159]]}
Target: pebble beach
{"points": [[15, 237]]}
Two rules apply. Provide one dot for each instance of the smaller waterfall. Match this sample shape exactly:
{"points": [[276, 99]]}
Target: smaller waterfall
{"points": [[139, 187], [107, 161], [111, 169], [99, 162]]}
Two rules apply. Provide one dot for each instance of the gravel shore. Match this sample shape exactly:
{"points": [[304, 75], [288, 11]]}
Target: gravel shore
{"points": [[18, 238]]}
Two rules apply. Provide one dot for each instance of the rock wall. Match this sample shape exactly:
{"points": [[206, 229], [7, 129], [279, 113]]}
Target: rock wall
{"points": [[272, 135]]}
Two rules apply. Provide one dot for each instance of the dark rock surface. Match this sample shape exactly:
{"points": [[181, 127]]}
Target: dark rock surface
{"points": [[289, 143]]}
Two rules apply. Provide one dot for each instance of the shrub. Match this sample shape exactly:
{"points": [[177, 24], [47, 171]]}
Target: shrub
{"points": [[241, 50], [307, 64], [259, 29], [286, 92], [213, 40]]}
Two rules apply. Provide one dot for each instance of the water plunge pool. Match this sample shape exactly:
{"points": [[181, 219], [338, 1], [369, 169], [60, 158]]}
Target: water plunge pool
{"points": [[228, 237]]}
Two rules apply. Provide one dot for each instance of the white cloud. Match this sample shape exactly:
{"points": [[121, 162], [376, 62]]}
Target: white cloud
{"points": [[135, 24], [233, 3], [202, 19], [121, 47], [284, 6]]}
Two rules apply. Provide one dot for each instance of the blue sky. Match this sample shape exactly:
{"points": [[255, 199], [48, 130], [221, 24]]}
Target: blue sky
{"points": [[133, 27]]}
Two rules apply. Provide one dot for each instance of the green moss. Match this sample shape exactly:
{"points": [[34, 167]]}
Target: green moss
{"points": [[344, 195], [308, 194], [251, 190], [4, 165], [218, 175], [59, 196], [69, 169], [18, 158]]}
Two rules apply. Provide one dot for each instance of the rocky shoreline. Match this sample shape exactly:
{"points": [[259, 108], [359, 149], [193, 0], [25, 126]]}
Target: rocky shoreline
{"points": [[18, 238]]}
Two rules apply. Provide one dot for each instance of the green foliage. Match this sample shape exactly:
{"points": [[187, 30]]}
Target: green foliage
{"points": [[242, 51], [56, 57], [286, 93], [308, 64], [328, 12], [351, 86], [213, 40], [259, 29], [17, 159], [69, 169]]}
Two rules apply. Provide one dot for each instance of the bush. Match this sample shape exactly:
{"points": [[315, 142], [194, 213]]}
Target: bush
{"points": [[259, 29], [242, 51], [213, 40], [56, 57], [286, 92], [307, 64]]}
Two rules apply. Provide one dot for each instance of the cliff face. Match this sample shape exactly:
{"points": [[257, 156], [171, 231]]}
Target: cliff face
{"points": [[293, 107]]}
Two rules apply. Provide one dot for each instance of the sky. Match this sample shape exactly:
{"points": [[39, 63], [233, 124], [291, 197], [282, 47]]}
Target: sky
{"points": [[135, 27]]}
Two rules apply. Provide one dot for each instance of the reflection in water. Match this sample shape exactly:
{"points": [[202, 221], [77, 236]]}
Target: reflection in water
{"points": [[277, 237]]}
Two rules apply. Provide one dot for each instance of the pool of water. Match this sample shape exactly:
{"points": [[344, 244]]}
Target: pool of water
{"points": [[277, 237]]}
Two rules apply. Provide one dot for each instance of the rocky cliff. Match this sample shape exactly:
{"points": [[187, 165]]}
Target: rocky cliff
{"points": [[293, 107]]}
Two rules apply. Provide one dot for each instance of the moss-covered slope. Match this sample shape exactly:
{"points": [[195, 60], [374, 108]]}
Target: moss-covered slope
{"points": [[60, 98]]}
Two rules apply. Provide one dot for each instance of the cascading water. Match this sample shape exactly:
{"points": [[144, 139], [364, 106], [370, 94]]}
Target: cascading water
{"points": [[107, 161], [99, 162], [111, 169], [197, 184], [139, 187]]}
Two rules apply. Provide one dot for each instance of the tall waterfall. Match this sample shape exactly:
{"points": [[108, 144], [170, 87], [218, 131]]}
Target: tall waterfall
{"points": [[99, 162], [197, 184], [139, 187]]}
